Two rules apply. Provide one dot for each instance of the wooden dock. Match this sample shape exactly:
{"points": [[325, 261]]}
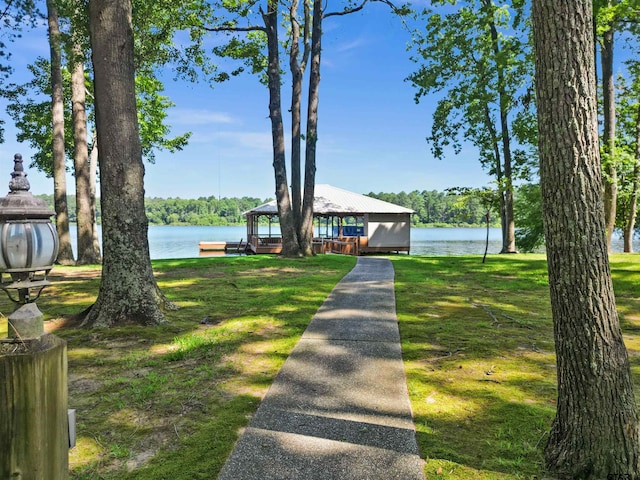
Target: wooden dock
{"points": [[222, 247]]}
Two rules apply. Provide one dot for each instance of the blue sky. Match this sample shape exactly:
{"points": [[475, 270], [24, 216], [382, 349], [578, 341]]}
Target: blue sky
{"points": [[371, 134]]}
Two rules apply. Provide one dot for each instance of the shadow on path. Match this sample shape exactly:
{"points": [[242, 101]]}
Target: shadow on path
{"points": [[339, 407]]}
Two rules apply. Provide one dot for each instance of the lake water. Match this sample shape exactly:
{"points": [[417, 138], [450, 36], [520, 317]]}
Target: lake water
{"points": [[182, 242]]}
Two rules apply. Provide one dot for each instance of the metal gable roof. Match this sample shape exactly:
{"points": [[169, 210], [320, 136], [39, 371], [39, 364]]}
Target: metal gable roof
{"points": [[333, 200]]}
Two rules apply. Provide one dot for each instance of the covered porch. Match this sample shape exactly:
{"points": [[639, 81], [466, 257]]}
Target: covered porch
{"points": [[344, 222], [331, 235]]}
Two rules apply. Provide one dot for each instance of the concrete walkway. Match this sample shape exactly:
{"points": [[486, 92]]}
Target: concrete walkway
{"points": [[339, 408]]}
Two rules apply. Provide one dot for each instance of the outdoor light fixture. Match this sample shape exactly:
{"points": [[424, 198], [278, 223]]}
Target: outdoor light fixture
{"points": [[35, 424], [28, 249]]}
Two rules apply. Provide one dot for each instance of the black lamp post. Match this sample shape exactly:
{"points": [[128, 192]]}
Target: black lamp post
{"points": [[35, 423], [28, 249]]}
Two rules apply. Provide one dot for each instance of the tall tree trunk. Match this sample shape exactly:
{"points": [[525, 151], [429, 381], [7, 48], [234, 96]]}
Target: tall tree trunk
{"points": [[633, 202], [296, 102], [86, 252], [595, 432], [128, 291], [297, 65], [93, 182], [65, 253], [506, 186], [609, 133], [509, 228], [501, 181], [509, 239], [630, 222], [306, 228], [290, 247]]}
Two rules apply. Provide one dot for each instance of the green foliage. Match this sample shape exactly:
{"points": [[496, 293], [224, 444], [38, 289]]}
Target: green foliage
{"points": [[439, 208], [152, 111], [15, 16], [249, 50], [487, 198], [177, 211], [30, 109], [459, 58], [528, 213], [627, 138], [614, 14], [241, 21], [433, 208], [201, 211], [155, 25]]}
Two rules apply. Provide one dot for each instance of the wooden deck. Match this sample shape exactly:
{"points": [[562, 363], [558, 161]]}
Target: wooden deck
{"points": [[342, 245], [222, 247], [273, 245], [260, 245]]}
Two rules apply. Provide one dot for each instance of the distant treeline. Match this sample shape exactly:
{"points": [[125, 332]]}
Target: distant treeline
{"points": [[432, 208], [177, 211], [203, 211]]}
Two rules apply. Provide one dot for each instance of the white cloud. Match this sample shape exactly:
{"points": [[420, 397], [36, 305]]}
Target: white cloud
{"points": [[231, 141], [252, 140], [338, 53], [352, 45], [186, 116]]}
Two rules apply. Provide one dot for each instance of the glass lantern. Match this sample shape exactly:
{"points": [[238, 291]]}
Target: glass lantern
{"points": [[28, 240]]}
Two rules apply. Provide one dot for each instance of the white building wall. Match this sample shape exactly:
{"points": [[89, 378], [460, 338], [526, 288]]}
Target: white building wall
{"points": [[388, 229]]}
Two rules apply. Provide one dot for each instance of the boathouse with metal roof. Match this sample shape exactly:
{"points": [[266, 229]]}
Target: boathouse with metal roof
{"points": [[344, 222]]}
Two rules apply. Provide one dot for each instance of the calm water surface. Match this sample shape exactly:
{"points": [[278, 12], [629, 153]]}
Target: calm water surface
{"points": [[182, 242]]}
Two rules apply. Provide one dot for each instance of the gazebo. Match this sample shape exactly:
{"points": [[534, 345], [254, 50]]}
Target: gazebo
{"points": [[344, 222]]}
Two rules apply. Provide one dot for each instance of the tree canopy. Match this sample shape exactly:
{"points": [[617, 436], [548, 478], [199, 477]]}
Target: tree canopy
{"points": [[477, 55]]}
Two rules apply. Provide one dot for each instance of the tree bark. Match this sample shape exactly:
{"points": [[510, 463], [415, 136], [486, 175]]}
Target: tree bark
{"points": [[595, 432], [65, 253], [609, 133], [128, 291], [290, 247], [306, 227], [86, 252], [509, 228], [297, 72]]}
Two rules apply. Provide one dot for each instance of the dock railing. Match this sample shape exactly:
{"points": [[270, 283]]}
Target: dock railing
{"points": [[265, 244], [340, 245]]}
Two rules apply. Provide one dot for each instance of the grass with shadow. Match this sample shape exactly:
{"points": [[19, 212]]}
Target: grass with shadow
{"points": [[479, 354], [168, 402]]}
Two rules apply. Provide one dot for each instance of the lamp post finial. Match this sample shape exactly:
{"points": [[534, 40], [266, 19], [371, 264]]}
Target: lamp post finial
{"points": [[19, 182]]}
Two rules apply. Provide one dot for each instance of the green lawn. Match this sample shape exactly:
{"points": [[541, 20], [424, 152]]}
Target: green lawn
{"points": [[479, 355], [168, 402]]}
